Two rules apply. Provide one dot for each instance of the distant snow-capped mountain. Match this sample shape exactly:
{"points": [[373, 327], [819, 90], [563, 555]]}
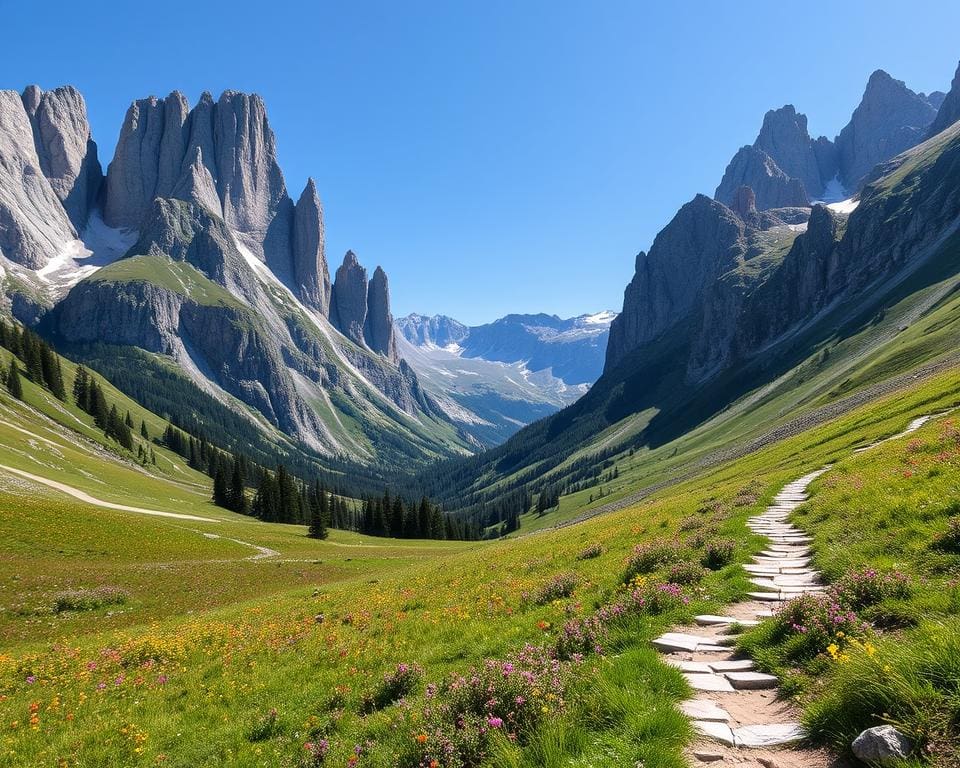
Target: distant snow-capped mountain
{"points": [[495, 378]]}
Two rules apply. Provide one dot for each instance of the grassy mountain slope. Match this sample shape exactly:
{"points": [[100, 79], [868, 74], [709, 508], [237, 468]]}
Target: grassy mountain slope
{"points": [[218, 660]]}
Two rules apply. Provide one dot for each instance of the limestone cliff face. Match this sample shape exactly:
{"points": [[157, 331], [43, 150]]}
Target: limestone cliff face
{"points": [[378, 330], [784, 137], [889, 119], [34, 225], [65, 148], [348, 302], [310, 270], [755, 169], [705, 239], [949, 111]]}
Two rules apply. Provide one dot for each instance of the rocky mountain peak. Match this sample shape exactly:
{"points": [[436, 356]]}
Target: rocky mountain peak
{"points": [[348, 298], [378, 331], [784, 137], [310, 272], [196, 185], [889, 119], [949, 111], [65, 149]]}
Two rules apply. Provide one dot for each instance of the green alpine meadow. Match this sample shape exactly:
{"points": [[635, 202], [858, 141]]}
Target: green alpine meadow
{"points": [[604, 442]]}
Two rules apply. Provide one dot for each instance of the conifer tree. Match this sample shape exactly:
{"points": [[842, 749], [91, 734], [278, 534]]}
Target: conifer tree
{"points": [[14, 385]]}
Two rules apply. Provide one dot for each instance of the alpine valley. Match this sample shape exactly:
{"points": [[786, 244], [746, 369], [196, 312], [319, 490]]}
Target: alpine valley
{"points": [[250, 518]]}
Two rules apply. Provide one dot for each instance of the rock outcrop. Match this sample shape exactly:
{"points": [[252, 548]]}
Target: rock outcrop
{"points": [[754, 168], [310, 272], [889, 119], [784, 137], [65, 148], [196, 185], [432, 331], [348, 299], [378, 330], [949, 111], [704, 240], [34, 225]]}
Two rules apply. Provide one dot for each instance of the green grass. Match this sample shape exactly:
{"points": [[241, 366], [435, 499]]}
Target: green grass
{"points": [[237, 638], [177, 276]]}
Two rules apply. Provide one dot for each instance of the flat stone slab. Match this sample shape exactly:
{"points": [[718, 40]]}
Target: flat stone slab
{"points": [[768, 596], [797, 580], [771, 735], [691, 666], [710, 682], [679, 641], [704, 709], [751, 681], [708, 620], [713, 649], [734, 665], [719, 731]]}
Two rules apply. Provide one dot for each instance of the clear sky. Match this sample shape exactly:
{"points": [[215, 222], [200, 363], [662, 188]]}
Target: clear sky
{"points": [[496, 156]]}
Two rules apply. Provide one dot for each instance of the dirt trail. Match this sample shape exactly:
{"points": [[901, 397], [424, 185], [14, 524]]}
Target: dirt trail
{"points": [[83, 496], [736, 710]]}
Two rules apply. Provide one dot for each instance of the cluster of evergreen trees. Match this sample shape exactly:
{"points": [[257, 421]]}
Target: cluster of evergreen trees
{"points": [[88, 395], [41, 363], [391, 516]]}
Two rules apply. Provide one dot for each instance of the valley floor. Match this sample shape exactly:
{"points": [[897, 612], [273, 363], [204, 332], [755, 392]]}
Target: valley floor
{"points": [[133, 639]]}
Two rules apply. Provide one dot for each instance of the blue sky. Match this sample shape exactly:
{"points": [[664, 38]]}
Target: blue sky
{"points": [[497, 156]]}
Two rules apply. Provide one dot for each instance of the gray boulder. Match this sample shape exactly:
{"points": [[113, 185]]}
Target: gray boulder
{"points": [[348, 299], [67, 153], [889, 120], [310, 271], [378, 331], [882, 745], [33, 224], [949, 111]]}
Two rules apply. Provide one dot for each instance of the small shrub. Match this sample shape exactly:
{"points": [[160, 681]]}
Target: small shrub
{"points": [[594, 550], [88, 599], [719, 552], [949, 540], [663, 598], [860, 589], [560, 586], [810, 624], [266, 727], [316, 753], [691, 523], [580, 637], [647, 557], [686, 573], [395, 685]]}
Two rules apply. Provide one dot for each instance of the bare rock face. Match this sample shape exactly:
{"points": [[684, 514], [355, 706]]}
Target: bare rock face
{"points": [[889, 119], [348, 299], [196, 185], [249, 179], [67, 153], [173, 155], [784, 137], [378, 331], [949, 111], [744, 203], [703, 240], [33, 223], [754, 168], [310, 271]]}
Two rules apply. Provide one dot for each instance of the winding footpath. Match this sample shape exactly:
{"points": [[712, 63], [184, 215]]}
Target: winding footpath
{"points": [[736, 709]]}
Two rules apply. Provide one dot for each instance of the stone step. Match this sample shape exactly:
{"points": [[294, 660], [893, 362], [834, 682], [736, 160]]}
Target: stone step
{"points": [[715, 730], [683, 665], [770, 735], [751, 681], [771, 597], [709, 620], [731, 665], [704, 709], [709, 682], [670, 642]]}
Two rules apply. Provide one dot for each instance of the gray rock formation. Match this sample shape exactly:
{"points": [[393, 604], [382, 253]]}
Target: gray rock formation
{"points": [[173, 145], [882, 745], [348, 299], [784, 137], [704, 240], [34, 225], [67, 153], [378, 330], [754, 168], [949, 111], [744, 203], [132, 175], [889, 119], [310, 272], [197, 186], [935, 98]]}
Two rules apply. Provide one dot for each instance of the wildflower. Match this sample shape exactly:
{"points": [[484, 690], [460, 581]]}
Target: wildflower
{"points": [[421, 738], [494, 722]]}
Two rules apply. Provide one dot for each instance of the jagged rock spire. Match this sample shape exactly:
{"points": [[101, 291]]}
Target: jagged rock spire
{"points": [[379, 333], [310, 272], [348, 299], [949, 111]]}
